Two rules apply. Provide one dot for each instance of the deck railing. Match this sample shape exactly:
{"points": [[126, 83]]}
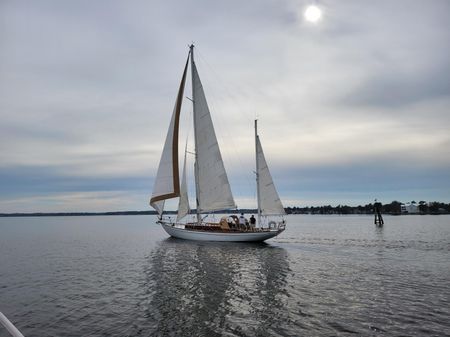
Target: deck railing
{"points": [[9, 326]]}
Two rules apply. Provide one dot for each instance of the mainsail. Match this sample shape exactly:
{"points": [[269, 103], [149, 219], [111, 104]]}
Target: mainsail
{"points": [[213, 188], [269, 203], [167, 182]]}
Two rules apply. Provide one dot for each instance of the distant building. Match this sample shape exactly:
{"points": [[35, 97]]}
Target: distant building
{"points": [[409, 208]]}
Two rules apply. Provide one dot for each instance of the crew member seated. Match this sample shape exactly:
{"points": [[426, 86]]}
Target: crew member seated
{"points": [[232, 221], [224, 223]]}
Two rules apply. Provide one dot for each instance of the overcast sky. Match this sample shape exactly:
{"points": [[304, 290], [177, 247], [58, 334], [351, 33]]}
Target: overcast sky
{"points": [[352, 108]]}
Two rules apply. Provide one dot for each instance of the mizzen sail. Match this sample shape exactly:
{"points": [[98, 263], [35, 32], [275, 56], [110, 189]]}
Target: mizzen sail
{"points": [[167, 182], [270, 203]]}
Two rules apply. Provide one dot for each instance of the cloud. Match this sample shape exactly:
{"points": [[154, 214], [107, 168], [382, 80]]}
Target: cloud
{"points": [[87, 89], [54, 189], [86, 201], [25, 180], [397, 88]]}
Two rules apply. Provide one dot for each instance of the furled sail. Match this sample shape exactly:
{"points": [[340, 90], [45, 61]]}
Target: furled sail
{"points": [[213, 188], [270, 202], [183, 203], [167, 182]]}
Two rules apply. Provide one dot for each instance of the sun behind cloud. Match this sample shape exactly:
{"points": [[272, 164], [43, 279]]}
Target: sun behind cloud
{"points": [[313, 13]]}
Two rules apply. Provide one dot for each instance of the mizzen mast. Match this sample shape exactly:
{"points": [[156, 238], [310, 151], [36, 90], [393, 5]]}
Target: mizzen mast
{"points": [[258, 190]]}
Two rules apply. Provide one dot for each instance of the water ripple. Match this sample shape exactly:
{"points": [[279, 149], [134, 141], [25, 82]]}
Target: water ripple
{"points": [[122, 276]]}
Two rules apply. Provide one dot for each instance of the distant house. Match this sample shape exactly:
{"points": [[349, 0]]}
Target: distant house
{"points": [[409, 208]]}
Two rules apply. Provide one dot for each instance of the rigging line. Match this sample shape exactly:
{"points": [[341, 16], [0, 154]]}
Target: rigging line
{"points": [[219, 115], [224, 83], [188, 131]]}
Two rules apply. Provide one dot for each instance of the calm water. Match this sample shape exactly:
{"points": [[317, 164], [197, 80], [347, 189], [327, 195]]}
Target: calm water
{"points": [[324, 276]]}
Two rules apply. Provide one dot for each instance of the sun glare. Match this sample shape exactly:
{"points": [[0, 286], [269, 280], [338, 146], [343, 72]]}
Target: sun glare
{"points": [[313, 13]]}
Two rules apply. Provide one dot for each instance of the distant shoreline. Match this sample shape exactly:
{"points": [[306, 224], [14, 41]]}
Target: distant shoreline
{"points": [[36, 214]]}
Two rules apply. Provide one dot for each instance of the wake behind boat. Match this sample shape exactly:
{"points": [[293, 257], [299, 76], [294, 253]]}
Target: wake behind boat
{"points": [[213, 191]]}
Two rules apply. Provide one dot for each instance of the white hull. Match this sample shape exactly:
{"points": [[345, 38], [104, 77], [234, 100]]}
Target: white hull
{"points": [[186, 234]]}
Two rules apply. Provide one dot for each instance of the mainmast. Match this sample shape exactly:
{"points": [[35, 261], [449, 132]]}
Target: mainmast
{"points": [[258, 192], [197, 191]]}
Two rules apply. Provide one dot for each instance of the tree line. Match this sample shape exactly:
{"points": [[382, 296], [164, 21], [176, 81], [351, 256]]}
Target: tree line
{"points": [[394, 208]]}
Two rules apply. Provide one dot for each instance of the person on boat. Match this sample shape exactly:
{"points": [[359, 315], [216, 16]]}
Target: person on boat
{"points": [[232, 221], [252, 221], [242, 221], [224, 223]]}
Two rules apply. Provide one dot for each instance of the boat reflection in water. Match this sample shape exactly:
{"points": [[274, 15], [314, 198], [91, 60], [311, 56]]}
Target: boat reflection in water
{"points": [[214, 289]]}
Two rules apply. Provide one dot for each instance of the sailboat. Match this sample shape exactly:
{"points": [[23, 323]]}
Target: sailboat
{"points": [[213, 191]]}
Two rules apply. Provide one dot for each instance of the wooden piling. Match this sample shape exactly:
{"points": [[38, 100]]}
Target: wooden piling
{"points": [[377, 211]]}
